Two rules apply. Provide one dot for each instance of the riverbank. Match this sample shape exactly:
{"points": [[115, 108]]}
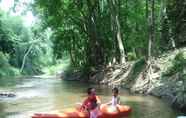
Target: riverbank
{"points": [[167, 79]]}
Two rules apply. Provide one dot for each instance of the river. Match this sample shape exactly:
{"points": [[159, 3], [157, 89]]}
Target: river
{"points": [[48, 94]]}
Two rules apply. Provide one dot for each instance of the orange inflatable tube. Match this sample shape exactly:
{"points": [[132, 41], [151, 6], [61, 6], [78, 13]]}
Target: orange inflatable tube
{"points": [[122, 111]]}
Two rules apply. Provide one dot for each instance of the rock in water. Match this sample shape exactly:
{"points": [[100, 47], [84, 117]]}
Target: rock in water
{"points": [[7, 94]]}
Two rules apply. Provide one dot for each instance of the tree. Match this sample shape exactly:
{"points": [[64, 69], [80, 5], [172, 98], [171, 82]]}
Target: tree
{"points": [[115, 28], [15, 42]]}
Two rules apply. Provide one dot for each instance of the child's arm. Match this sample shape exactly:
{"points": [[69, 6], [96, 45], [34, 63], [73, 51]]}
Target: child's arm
{"points": [[83, 105], [109, 103], [98, 100]]}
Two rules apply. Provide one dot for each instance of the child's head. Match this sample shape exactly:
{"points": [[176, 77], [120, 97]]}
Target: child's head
{"points": [[91, 91], [115, 91]]}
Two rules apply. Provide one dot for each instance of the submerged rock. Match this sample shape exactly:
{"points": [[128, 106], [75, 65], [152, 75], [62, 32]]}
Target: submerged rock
{"points": [[74, 76], [7, 94]]}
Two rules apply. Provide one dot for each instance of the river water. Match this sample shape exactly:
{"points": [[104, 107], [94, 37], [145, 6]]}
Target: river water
{"points": [[35, 95]]}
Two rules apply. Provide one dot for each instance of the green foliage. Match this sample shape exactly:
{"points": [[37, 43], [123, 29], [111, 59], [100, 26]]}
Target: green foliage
{"points": [[4, 59], [178, 65], [15, 41], [131, 56], [174, 23], [138, 66], [6, 69], [58, 67], [85, 31], [73, 29]]}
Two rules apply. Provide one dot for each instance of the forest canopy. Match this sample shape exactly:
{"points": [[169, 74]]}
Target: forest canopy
{"points": [[92, 33], [23, 49], [98, 32]]}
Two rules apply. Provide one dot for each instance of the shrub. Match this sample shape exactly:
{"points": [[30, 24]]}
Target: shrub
{"points": [[178, 65], [138, 66], [6, 69], [131, 56]]}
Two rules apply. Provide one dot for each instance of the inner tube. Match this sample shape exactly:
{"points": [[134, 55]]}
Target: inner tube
{"points": [[122, 110]]}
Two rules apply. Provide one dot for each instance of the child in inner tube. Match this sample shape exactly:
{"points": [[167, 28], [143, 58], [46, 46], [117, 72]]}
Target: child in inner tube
{"points": [[113, 104], [91, 103]]}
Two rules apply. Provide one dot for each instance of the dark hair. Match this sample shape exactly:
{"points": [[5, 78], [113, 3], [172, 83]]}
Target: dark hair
{"points": [[116, 90], [89, 90]]}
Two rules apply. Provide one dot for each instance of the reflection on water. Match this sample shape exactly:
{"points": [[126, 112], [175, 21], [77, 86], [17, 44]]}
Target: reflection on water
{"points": [[46, 95]]}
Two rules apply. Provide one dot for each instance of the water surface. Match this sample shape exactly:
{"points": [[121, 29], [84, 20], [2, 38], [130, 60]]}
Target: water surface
{"points": [[46, 95]]}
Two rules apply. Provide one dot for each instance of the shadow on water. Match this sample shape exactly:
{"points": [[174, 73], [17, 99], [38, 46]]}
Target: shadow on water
{"points": [[2, 110], [6, 82], [144, 110]]}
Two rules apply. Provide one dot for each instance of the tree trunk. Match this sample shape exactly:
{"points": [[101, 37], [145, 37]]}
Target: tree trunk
{"points": [[25, 56], [151, 23], [114, 11], [172, 39], [147, 9], [151, 28], [120, 43], [95, 51], [72, 57]]}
